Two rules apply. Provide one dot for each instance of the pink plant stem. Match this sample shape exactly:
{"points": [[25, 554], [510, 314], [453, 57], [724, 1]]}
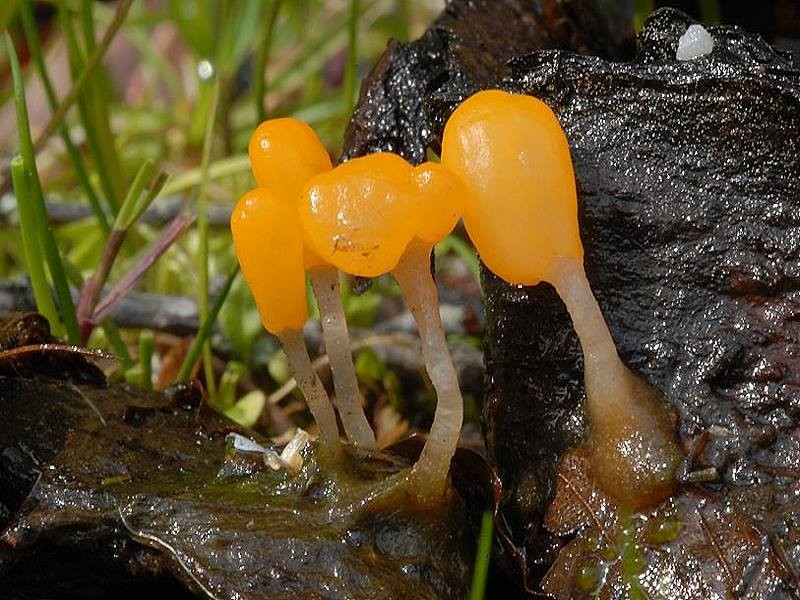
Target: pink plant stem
{"points": [[177, 227]]}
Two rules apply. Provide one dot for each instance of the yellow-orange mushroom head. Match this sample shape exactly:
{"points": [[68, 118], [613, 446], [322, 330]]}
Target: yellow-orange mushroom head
{"points": [[285, 154], [361, 215], [440, 201], [269, 246], [513, 157]]}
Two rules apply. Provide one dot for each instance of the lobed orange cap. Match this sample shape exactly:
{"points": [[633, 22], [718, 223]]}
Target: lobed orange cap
{"points": [[513, 157], [361, 215], [269, 246], [441, 201], [285, 154]]}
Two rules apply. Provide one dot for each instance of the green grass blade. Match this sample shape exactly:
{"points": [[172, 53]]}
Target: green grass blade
{"points": [[88, 115], [30, 247], [98, 92], [46, 238], [117, 343], [29, 25], [262, 56], [202, 229], [78, 84], [314, 53], [7, 12], [225, 167], [135, 202], [642, 8], [87, 25], [349, 87], [482, 558], [146, 344], [196, 24], [206, 326]]}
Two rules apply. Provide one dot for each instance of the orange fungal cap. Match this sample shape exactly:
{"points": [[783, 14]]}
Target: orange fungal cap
{"points": [[512, 155], [285, 153], [361, 215], [269, 246], [441, 201]]}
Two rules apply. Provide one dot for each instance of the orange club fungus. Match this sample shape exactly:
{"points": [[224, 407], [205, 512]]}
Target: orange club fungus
{"points": [[269, 246], [285, 154], [376, 215], [522, 215]]}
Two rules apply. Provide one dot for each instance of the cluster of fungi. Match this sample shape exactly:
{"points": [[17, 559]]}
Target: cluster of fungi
{"points": [[506, 170]]}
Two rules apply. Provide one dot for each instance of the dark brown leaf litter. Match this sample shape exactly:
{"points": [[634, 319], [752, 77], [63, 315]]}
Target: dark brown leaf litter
{"points": [[689, 192], [466, 49], [109, 490]]}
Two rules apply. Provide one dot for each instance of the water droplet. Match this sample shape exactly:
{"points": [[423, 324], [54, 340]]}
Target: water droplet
{"points": [[205, 70]]}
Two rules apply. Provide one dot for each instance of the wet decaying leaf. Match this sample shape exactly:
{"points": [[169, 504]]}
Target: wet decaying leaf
{"points": [[689, 199], [696, 545], [108, 488]]}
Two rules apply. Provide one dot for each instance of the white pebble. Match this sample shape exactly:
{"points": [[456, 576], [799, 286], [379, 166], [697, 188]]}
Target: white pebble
{"points": [[694, 43]]}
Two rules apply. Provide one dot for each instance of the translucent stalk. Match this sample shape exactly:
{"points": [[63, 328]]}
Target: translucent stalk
{"points": [[294, 345], [429, 474], [604, 371], [633, 449], [325, 281]]}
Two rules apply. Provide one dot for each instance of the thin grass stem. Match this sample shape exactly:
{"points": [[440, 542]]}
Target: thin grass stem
{"points": [[204, 332], [225, 167], [98, 93], [117, 343], [146, 344], [202, 230], [30, 247], [88, 116], [46, 238], [262, 57], [34, 43], [352, 56], [77, 86], [136, 202], [483, 557]]}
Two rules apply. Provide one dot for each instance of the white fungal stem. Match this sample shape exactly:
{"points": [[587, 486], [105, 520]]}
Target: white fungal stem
{"points": [[606, 377], [429, 474], [325, 281], [294, 345]]}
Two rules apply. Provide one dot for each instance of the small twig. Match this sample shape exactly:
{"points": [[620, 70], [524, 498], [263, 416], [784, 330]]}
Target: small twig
{"points": [[159, 213]]}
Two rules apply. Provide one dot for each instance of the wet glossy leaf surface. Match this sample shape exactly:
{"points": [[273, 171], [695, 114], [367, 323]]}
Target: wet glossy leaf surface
{"points": [[139, 489], [696, 545]]}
